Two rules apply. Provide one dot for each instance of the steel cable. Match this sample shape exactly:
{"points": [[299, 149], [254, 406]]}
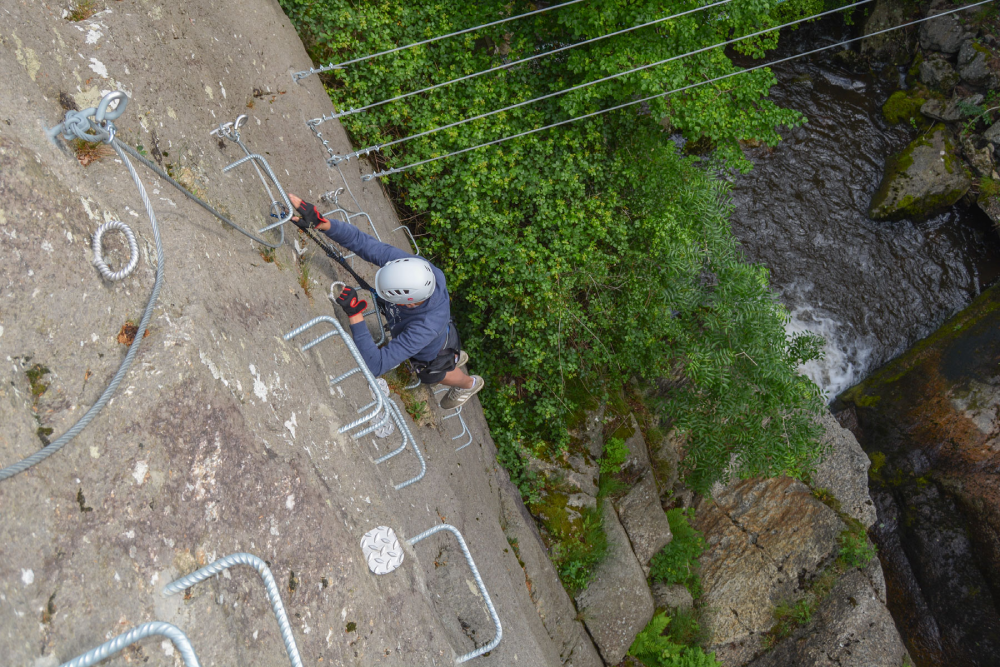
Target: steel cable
{"points": [[397, 170], [587, 84], [513, 63], [133, 349], [98, 248], [162, 174], [270, 586], [326, 68]]}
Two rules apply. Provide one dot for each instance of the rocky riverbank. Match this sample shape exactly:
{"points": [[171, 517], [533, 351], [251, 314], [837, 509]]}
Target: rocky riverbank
{"points": [[950, 75]]}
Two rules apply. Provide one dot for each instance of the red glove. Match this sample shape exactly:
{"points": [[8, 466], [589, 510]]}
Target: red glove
{"points": [[349, 301]]}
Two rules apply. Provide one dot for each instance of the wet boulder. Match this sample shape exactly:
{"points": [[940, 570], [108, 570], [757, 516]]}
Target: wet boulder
{"points": [[992, 133], [922, 180], [895, 46], [945, 34], [617, 604], [974, 64], [938, 73], [950, 111]]}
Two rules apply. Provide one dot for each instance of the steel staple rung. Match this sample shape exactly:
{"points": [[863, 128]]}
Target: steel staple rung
{"points": [[258, 159], [270, 585], [412, 240], [479, 584], [461, 420], [112, 646], [359, 360]]}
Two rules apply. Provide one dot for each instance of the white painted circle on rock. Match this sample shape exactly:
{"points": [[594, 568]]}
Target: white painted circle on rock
{"points": [[381, 550]]}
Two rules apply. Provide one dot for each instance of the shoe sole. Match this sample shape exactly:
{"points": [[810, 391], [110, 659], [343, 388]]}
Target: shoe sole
{"points": [[463, 359], [448, 405]]}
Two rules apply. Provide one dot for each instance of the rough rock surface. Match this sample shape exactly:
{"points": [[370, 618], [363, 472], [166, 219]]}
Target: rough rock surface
{"points": [[937, 72], [672, 597], [945, 34], [222, 437], [949, 111], [931, 418], [845, 472], [895, 46], [765, 537], [923, 179], [617, 604], [644, 520], [973, 64], [852, 628], [992, 133]]}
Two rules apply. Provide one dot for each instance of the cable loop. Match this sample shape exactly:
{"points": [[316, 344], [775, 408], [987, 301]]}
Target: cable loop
{"points": [[133, 250]]}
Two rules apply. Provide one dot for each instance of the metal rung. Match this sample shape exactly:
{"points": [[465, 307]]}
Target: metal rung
{"points": [[461, 420], [270, 585], [112, 646]]}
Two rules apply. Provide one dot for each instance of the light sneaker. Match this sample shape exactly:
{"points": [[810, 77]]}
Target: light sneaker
{"points": [[456, 396], [463, 359]]}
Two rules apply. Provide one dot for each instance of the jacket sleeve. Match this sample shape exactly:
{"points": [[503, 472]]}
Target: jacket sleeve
{"points": [[372, 251], [410, 341]]}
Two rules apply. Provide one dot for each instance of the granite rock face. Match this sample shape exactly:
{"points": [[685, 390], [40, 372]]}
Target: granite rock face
{"points": [[937, 72], [950, 111], [845, 472], [617, 604], [973, 64], [644, 520], [945, 34], [222, 437]]}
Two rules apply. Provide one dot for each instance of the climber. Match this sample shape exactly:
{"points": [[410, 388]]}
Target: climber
{"points": [[419, 317]]}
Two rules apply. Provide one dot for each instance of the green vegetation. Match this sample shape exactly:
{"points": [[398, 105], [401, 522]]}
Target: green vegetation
{"points": [[855, 548], [35, 375], [596, 252], [653, 648], [578, 550], [615, 453], [903, 107], [677, 562], [81, 10]]}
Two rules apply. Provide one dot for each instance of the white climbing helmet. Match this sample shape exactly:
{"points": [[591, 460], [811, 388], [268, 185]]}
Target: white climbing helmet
{"points": [[404, 281]]}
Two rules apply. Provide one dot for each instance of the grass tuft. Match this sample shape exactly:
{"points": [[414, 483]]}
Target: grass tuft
{"points": [[81, 10]]}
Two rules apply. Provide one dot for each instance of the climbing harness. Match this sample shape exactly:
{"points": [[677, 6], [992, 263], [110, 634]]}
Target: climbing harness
{"points": [[461, 420], [112, 646], [215, 567], [382, 407], [93, 125], [383, 554]]}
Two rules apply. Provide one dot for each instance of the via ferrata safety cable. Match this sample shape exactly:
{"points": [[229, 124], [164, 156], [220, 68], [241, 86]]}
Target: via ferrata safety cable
{"points": [[396, 170]]}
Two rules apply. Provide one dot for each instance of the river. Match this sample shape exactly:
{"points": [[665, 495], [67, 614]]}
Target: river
{"points": [[871, 289]]}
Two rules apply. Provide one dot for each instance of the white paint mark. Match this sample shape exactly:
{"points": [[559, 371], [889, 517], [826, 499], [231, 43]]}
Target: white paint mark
{"points": [[291, 424], [95, 453], [290, 502], [168, 647], [46, 246], [98, 67], [93, 34], [139, 473], [28, 577], [259, 388]]}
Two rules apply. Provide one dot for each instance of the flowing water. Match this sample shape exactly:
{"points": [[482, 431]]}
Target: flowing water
{"points": [[871, 289]]}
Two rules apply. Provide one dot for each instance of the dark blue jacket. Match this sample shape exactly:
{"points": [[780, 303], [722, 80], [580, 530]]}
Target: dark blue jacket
{"points": [[417, 333]]}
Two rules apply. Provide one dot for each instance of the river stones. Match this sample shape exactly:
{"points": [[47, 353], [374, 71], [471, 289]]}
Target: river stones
{"points": [[950, 111], [937, 72], [973, 63], [922, 180], [944, 34]]}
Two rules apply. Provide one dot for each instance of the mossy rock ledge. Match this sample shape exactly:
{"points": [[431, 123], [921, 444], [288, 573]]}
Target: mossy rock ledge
{"points": [[922, 180]]}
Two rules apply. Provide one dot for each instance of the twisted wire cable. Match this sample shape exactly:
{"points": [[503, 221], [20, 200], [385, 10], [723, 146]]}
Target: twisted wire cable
{"points": [[479, 584], [270, 586], [98, 248], [326, 68], [521, 61], [112, 646], [587, 84], [396, 170], [133, 349], [162, 174]]}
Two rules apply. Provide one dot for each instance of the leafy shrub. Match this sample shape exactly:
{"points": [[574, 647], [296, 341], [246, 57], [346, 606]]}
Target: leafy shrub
{"points": [[653, 649], [676, 563], [615, 453], [592, 253]]}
